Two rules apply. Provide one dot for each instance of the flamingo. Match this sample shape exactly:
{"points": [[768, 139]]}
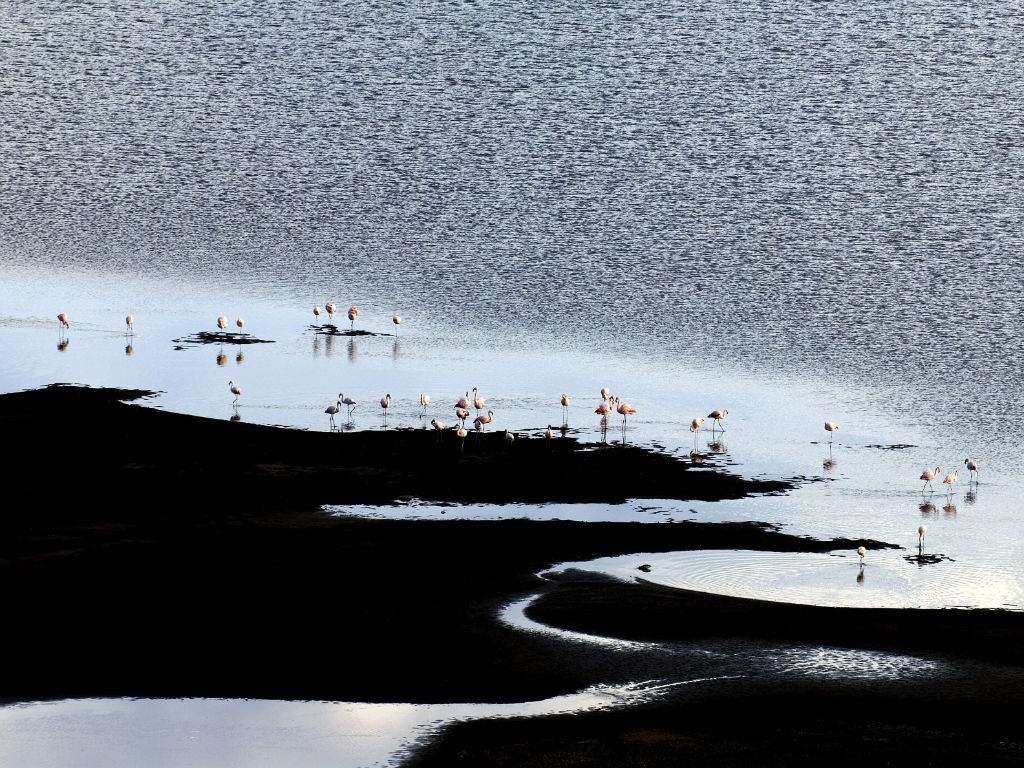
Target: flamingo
{"points": [[385, 403], [510, 438], [830, 427], [462, 414], [461, 434], [397, 320], [972, 467], [949, 480], [920, 537], [353, 313], [235, 390], [478, 402], [606, 394], [480, 422], [316, 313], [928, 475], [349, 403], [62, 318], [548, 434], [130, 322], [462, 402], [718, 415], [603, 408], [332, 410], [240, 323], [424, 402], [861, 551], [222, 322], [695, 424], [439, 427], [565, 408], [331, 309], [626, 410]]}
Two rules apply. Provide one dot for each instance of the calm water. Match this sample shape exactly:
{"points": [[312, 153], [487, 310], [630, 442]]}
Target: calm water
{"points": [[805, 213]]}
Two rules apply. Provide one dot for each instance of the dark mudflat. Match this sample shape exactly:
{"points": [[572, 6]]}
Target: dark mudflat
{"points": [[146, 553]]}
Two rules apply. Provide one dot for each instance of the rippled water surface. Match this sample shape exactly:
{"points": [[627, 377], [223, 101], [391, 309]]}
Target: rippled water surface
{"points": [[802, 213]]}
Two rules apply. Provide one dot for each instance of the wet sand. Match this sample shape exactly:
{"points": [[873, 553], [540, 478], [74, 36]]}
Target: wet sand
{"points": [[147, 553]]}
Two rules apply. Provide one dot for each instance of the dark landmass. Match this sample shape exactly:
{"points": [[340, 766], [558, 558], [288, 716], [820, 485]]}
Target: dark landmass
{"points": [[148, 553], [328, 329], [218, 337]]}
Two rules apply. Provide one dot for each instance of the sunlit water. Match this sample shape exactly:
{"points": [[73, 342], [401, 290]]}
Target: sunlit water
{"points": [[805, 213]]}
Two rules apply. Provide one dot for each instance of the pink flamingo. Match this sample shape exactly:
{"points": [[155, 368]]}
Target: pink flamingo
{"points": [[949, 480], [928, 475], [626, 410], [830, 427], [481, 422], [972, 467], [718, 415], [235, 390]]}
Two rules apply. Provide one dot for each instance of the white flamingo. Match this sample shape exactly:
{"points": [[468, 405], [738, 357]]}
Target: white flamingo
{"points": [[830, 427], [424, 402], [718, 415], [235, 390]]}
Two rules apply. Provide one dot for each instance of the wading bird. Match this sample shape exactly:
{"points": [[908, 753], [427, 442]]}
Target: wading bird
{"points": [[565, 408], [972, 467], [397, 320], [235, 390], [718, 416], [626, 410], [861, 551], [461, 434], [130, 322], [509, 439], [478, 402], [830, 427], [603, 409], [424, 402], [462, 402], [316, 314], [333, 410], [480, 422], [920, 537], [240, 323], [439, 427], [62, 319], [949, 480], [462, 414], [928, 475], [606, 394], [349, 403], [385, 403], [548, 434], [222, 322], [331, 309], [353, 313]]}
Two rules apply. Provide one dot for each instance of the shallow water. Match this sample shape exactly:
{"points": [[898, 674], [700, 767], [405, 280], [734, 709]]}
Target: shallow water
{"points": [[802, 214]]}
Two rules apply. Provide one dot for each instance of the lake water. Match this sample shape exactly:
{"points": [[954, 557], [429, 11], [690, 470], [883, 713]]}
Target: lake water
{"points": [[805, 213]]}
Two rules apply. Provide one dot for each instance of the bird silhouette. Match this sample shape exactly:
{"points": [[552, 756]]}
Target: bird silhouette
{"points": [[385, 403]]}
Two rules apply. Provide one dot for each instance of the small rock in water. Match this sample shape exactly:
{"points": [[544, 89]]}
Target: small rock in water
{"points": [[645, 568]]}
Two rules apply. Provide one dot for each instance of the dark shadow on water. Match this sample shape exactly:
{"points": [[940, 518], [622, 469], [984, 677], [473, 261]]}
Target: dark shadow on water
{"points": [[209, 337]]}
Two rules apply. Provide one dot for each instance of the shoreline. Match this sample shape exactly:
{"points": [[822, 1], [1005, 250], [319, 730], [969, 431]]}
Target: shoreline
{"points": [[166, 555]]}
